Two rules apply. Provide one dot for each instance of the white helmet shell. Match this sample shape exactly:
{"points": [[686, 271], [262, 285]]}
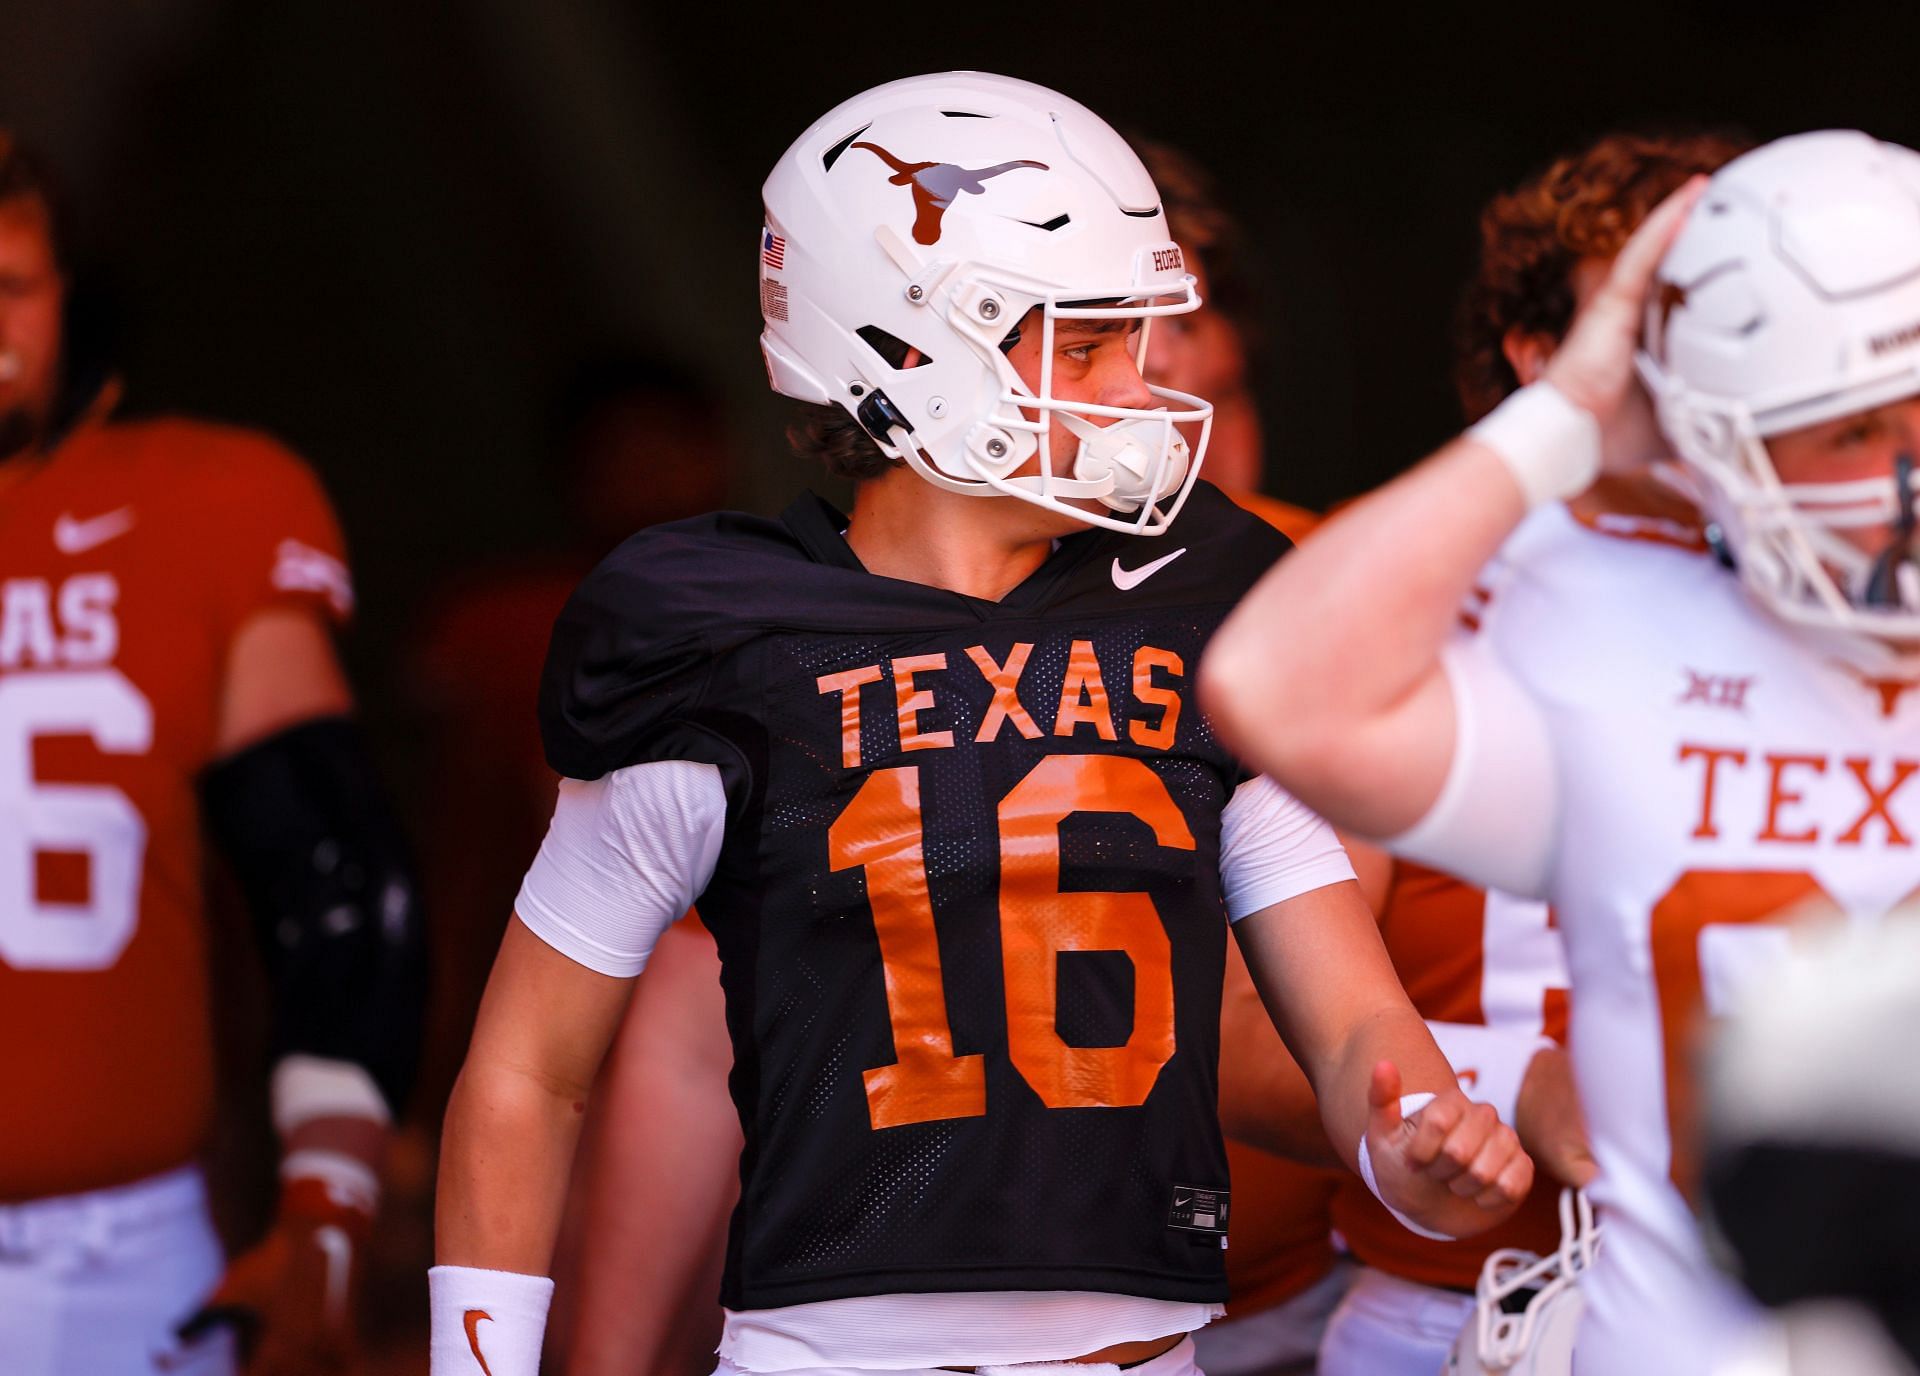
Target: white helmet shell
{"points": [[1790, 298], [932, 214], [1527, 1308]]}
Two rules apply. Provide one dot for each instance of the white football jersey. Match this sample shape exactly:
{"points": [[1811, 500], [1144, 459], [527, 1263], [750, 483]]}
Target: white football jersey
{"points": [[1694, 777]]}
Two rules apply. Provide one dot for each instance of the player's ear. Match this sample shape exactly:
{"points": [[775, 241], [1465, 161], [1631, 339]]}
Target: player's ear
{"points": [[1527, 352]]}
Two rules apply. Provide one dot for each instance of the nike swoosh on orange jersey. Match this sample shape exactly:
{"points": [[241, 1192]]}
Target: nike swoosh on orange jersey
{"points": [[71, 536], [472, 1320]]}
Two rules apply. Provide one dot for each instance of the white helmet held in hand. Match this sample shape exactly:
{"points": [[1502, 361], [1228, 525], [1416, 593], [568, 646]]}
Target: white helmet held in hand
{"points": [[1792, 298], [1527, 1308], [911, 230]]}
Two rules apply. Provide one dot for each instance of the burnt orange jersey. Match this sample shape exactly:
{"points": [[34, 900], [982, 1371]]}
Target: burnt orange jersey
{"points": [[128, 560], [1280, 1231], [1280, 1234], [1294, 522], [1465, 956]]}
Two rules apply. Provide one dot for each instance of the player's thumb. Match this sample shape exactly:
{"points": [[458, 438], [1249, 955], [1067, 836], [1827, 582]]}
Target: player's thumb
{"points": [[1383, 1099]]}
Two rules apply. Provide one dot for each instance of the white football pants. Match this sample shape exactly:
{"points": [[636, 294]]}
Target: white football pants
{"points": [[1281, 1339], [1391, 1327], [1175, 1361], [93, 1284]]}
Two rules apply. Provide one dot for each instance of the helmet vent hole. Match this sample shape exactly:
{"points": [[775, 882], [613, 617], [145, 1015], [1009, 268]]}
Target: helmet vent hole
{"points": [[1057, 222], [964, 114], [832, 155], [891, 348]]}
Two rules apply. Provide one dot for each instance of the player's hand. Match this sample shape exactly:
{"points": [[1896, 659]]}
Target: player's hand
{"points": [[1593, 367], [1453, 1167], [1547, 1116], [290, 1300]]}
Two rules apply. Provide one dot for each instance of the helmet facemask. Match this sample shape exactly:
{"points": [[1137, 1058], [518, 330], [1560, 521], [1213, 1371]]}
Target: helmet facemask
{"points": [[1789, 540], [1134, 461], [1791, 299], [914, 228]]}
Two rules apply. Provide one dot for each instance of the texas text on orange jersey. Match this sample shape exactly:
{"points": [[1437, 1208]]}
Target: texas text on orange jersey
{"points": [[129, 558]]}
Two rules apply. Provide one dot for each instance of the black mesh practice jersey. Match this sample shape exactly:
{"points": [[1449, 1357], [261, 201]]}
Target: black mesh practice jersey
{"points": [[968, 904]]}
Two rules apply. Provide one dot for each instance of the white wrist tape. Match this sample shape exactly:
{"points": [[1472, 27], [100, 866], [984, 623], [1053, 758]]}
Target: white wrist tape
{"points": [[1410, 1104], [349, 1181], [1490, 1061], [1550, 445], [310, 1087], [487, 1321]]}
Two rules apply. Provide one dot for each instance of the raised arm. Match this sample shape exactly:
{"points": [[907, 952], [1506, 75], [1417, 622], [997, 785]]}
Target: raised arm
{"points": [[1329, 676]]}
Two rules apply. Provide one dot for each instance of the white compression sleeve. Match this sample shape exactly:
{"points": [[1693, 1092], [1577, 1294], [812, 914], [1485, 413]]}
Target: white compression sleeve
{"points": [[1274, 847], [1496, 821], [624, 858]]}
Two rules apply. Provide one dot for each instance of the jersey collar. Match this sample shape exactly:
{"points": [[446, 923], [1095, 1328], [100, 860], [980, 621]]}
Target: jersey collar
{"points": [[818, 525]]}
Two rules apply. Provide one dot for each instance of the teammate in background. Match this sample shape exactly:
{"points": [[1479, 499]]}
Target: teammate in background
{"points": [[963, 843], [1212, 352], [636, 443], [1487, 970], [1680, 751], [1282, 1273], [168, 591]]}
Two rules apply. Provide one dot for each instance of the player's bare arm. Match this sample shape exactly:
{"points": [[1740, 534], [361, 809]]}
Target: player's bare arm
{"points": [[544, 1025], [1451, 1168], [1357, 717], [507, 1148], [292, 776], [1266, 1099]]}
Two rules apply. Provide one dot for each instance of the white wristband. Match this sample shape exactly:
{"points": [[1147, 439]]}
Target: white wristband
{"points": [[1410, 1104], [349, 1181], [1550, 445], [310, 1087], [487, 1321]]}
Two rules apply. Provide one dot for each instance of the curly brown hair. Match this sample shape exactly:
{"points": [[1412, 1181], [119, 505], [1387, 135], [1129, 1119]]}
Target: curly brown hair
{"points": [[1207, 230], [1531, 239], [25, 176], [832, 437]]}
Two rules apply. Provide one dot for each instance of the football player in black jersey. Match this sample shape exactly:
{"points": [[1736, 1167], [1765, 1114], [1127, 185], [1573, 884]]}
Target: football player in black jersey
{"points": [[934, 775]]}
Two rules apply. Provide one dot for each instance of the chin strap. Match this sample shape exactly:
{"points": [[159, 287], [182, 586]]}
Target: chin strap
{"points": [[1895, 578], [1121, 458]]}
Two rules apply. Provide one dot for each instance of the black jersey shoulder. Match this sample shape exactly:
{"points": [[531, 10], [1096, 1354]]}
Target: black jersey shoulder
{"points": [[1210, 556], [631, 650]]}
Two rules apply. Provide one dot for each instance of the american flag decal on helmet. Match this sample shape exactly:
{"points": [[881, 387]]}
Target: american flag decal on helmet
{"points": [[773, 250]]}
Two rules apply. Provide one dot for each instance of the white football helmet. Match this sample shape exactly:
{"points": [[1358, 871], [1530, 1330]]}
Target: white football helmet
{"points": [[1527, 1308], [932, 214], [1791, 298]]}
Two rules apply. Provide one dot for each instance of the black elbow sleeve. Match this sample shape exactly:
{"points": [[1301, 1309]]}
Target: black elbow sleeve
{"points": [[324, 869]]}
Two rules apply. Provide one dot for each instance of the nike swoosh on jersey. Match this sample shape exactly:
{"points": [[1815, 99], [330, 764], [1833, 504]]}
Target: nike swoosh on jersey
{"points": [[472, 1320], [1126, 579], [71, 536]]}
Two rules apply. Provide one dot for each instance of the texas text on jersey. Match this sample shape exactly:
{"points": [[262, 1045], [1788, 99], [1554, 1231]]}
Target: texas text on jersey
{"points": [[127, 561], [948, 994], [1723, 782]]}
